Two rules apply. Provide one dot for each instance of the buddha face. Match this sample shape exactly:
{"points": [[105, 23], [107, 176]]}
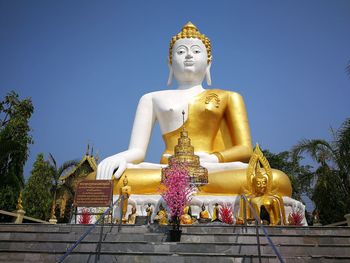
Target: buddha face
{"points": [[189, 60], [260, 185]]}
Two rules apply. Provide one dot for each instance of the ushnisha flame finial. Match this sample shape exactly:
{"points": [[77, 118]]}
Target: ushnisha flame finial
{"points": [[190, 31]]}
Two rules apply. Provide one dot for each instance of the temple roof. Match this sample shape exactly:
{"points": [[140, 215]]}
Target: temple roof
{"points": [[87, 160]]}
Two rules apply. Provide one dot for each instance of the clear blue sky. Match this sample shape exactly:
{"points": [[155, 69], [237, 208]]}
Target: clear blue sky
{"points": [[85, 64]]}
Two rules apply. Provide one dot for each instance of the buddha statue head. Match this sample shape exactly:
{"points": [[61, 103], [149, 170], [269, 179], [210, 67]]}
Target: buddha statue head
{"points": [[260, 182], [189, 56]]}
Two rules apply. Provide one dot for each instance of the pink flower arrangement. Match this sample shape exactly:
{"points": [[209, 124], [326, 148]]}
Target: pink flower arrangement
{"points": [[177, 191], [226, 215]]}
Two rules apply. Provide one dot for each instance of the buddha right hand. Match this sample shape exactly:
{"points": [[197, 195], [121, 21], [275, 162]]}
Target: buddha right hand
{"points": [[114, 164]]}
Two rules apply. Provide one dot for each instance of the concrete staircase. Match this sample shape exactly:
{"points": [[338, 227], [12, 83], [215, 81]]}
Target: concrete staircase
{"points": [[46, 243]]}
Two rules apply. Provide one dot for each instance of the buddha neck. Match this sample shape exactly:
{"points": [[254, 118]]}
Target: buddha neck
{"points": [[190, 86]]}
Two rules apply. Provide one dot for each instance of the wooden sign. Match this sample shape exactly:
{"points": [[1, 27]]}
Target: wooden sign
{"points": [[94, 193]]}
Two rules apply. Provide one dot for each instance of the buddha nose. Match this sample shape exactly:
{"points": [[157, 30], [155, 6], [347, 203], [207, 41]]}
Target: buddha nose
{"points": [[189, 55]]}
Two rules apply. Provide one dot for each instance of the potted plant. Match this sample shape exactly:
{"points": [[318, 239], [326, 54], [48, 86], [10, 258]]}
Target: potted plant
{"points": [[177, 193]]}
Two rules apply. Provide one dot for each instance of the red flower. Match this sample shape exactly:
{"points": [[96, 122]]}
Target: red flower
{"points": [[85, 217], [226, 215], [296, 217]]}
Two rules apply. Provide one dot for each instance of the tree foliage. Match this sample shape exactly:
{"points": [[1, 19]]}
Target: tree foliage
{"points": [[37, 196], [15, 139], [297, 173], [59, 171], [331, 179]]}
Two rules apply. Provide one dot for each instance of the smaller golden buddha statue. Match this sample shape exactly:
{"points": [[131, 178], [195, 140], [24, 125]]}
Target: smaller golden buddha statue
{"points": [[204, 214], [162, 216], [125, 193], [186, 217], [132, 216], [268, 206]]}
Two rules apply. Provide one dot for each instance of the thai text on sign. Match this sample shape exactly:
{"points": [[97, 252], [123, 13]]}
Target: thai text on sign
{"points": [[94, 193]]}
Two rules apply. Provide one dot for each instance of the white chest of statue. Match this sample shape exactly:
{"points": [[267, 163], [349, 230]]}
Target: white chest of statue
{"points": [[169, 104]]}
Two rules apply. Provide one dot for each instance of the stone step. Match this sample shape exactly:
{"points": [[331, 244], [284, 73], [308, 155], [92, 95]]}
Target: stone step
{"points": [[162, 257], [72, 237], [162, 237], [45, 243], [276, 230], [277, 239], [279, 230], [182, 247], [186, 236]]}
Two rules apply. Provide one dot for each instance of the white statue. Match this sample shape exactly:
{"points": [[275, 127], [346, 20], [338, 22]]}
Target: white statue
{"points": [[217, 125], [189, 67]]}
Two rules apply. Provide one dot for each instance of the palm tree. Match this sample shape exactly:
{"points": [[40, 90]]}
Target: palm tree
{"points": [[331, 180], [58, 172]]}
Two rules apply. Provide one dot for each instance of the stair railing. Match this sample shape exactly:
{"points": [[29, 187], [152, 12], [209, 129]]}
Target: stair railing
{"points": [[87, 232], [257, 225]]}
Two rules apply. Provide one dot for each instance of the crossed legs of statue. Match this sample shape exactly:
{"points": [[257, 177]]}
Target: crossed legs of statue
{"points": [[147, 181]]}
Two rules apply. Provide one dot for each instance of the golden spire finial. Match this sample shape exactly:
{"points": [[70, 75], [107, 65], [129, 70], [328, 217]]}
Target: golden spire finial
{"points": [[183, 120], [88, 149], [184, 154], [190, 31], [97, 156], [189, 25], [19, 202]]}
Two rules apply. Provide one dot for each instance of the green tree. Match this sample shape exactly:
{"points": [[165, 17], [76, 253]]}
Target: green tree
{"points": [[331, 179], [37, 196], [297, 173], [58, 172], [15, 139]]}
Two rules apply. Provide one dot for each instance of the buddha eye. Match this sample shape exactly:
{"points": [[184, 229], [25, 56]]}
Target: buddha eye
{"points": [[196, 51], [180, 52]]}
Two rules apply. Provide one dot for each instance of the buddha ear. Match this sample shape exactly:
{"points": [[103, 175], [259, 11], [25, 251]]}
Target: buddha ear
{"points": [[171, 74], [207, 74]]}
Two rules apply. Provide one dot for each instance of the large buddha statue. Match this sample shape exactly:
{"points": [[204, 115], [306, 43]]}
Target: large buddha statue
{"points": [[215, 119]]}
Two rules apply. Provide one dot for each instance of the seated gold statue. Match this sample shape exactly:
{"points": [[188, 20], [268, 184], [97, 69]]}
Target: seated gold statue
{"points": [[132, 216], [162, 216], [204, 214], [186, 218], [216, 122], [260, 195]]}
